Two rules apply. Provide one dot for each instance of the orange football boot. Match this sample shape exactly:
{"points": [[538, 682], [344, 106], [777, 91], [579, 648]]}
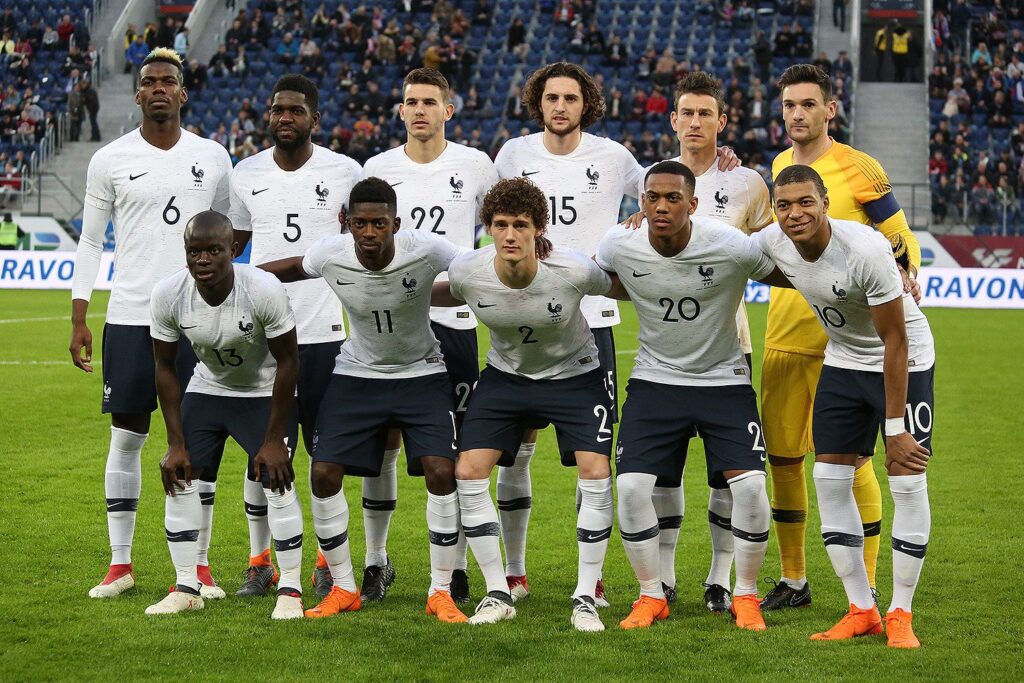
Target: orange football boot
{"points": [[857, 622], [899, 629], [441, 605], [337, 601], [747, 610], [646, 611]]}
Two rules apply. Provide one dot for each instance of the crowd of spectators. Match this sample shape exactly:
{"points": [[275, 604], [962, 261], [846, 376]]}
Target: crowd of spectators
{"points": [[976, 98], [41, 63]]}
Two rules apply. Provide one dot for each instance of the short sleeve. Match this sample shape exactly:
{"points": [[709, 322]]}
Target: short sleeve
{"points": [[762, 239], [162, 324], [504, 161], [488, 177], [276, 313], [99, 189], [749, 255], [456, 275], [239, 214], [879, 277], [597, 282], [606, 251], [316, 256], [222, 195], [441, 252], [760, 212], [632, 174]]}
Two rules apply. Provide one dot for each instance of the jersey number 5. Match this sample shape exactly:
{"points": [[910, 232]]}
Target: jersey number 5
{"points": [[566, 215], [292, 225]]}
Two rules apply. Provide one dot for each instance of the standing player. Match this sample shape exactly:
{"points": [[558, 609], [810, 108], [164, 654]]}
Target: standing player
{"points": [[686, 277], [285, 199], [389, 373], [859, 190], [542, 368], [440, 185], [238, 320], [879, 364], [740, 198], [149, 182], [584, 178]]}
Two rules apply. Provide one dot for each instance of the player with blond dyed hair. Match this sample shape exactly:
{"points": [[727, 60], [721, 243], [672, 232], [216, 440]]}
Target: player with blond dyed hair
{"points": [[149, 182]]}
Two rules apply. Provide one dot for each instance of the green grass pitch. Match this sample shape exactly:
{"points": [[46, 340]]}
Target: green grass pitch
{"points": [[53, 534]]}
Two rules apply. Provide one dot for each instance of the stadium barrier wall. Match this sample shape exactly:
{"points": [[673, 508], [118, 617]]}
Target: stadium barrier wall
{"points": [[944, 287]]}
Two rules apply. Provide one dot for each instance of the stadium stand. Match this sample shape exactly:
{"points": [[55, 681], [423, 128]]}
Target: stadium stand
{"points": [[44, 52], [487, 49], [976, 104]]}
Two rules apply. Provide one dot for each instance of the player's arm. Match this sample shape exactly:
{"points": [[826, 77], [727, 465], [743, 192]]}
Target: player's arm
{"points": [[239, 213], [617, 291], [776, 278], [286, 269], [441, 295], [903, 454], [873, 191], [95, 216], [175, 466], [273, 454]]}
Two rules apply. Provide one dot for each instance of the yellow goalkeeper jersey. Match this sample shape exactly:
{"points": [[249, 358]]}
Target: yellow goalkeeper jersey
{"points": [[858, 190]]}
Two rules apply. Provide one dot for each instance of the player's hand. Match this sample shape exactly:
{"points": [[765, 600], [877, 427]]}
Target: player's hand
{"points": [[634, 221], [904, 451], [81, 336], [175, 461], [274, 456], [727, 159], [910, 285]]}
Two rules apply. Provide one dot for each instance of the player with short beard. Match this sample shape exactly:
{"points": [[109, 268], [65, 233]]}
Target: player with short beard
{"points": [[285, 199], [149, 182], [440, 185]]}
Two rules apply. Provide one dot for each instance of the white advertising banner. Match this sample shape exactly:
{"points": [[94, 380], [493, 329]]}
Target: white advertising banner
{"points": [[952, 288], [942, 287]]}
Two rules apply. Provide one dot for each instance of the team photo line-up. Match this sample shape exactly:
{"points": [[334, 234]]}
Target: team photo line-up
{"points": [[257, 353]]}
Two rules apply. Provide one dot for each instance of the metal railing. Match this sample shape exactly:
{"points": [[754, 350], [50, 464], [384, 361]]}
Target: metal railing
{"points": [[918, 209]]}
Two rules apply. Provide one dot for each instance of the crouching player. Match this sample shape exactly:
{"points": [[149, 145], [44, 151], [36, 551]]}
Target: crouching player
{"points": [[542, 368], [241, 327], [878, 372], [686, 276]]}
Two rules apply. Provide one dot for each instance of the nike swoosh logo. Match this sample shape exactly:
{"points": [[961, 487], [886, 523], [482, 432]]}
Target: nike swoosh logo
{"points": [[449, 539], [787, 274], [256, 192], [136, 177], [480, 305], [187, 327], [294, 544], [396, 184], [590, 538], [344, 283], [636, 274], [529, 173], [602, 439]]}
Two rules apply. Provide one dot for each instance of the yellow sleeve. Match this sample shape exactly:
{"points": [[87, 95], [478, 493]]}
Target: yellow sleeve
{"points": [[873, 191]]}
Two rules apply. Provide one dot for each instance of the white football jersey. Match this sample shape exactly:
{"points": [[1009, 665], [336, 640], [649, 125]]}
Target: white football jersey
{"points": [[741, 199], [152, 193], [388, 309], [855, 272], [538, 331], [287, 212], [584, 189], [687, 303], [230, 340], [442, 197]]}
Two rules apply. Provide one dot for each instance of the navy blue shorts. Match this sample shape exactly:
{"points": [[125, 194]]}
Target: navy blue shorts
{"points": [[129, 369], [208, 421], [605, 340], [849, 410], [357, 412], [316, 365], [504, 406], [462, 358], [658, 421]]}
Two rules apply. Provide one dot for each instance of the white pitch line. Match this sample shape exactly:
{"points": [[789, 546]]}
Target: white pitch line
{"points": [[45, 320]]}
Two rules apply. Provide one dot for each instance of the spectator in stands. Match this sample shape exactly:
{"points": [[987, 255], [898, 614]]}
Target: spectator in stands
{"points": [[757, 110], [842, 66], [839, 15], [979, 98], [803, 42], [901, 43], [638, 99], [823, 63], [942, 198], [7, 46], [516, 41], [784, 41], [73, 79], [983, 205], [564, 13], [76, 111], [237, 35], [75, 60], [51, 39], [938, 82], [92, 106], [137, 52], [26, 129], [514, 104], [221, 62], [22, 73], [647, 148], [65, 29], [481, 13], [1001, 111], [657, 105], [241, 63], [595, 42], [981, 56], [937, 165], [1006, 198], [665, 69], [615, 110], [617, 54], [287, 49], [181, 42]]}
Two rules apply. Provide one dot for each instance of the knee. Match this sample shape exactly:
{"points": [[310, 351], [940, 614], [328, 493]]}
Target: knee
{"points": [[324, 480], [469, 467], [634, 489], [594, 468], [439, 475]]}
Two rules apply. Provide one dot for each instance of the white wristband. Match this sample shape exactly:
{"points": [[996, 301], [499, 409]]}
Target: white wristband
{"points": [[894, 426]]}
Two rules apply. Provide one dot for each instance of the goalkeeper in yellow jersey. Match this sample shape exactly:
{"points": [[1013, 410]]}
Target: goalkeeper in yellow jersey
{"points": [[858, 190]]}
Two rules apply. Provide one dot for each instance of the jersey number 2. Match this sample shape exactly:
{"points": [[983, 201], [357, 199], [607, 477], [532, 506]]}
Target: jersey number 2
{"points": [[419, 214]]}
